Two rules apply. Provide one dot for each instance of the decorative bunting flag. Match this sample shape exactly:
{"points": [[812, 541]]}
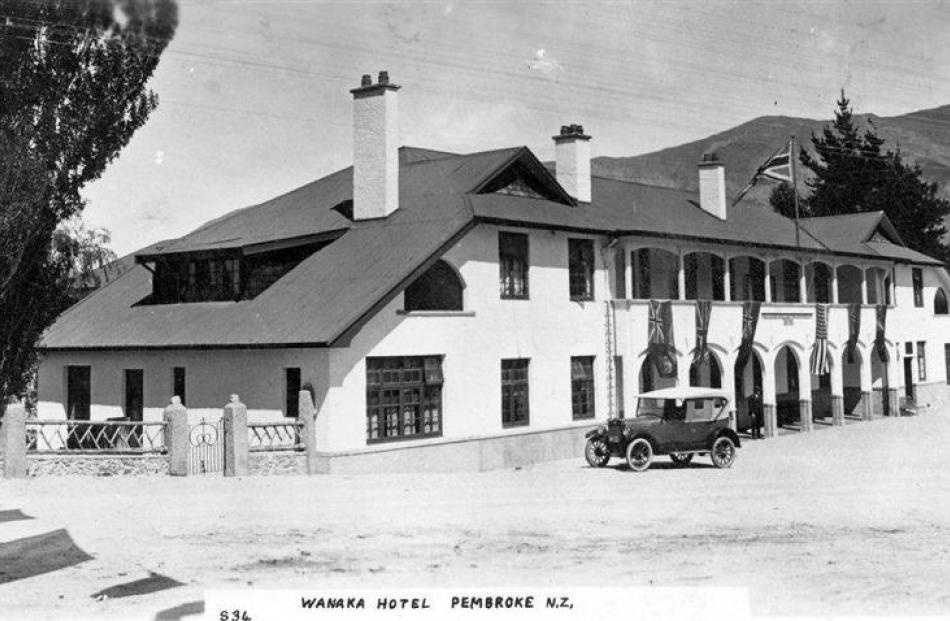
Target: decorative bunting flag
{"points": [[879, 344], [662, 352], [703, 308], [854, 329], [750, 320], [820, 364]]}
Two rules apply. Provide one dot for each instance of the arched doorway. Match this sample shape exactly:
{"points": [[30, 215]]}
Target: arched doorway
{"points": [[649, 377], [851, 384], [821, 408], [707, 373], [787, 397], [746, 379]]}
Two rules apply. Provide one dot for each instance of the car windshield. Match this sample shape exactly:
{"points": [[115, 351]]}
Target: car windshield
{"points": [[688, 410]]}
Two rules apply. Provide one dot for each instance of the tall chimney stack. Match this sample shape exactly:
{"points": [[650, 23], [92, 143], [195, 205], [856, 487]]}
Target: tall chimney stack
{"points": [[375, 148], [712, 185], [572, 161]]}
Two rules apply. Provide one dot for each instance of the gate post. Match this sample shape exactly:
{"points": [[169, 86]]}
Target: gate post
{"points": [[13, 430], [176, 437], [235, 438], [308, 414]]}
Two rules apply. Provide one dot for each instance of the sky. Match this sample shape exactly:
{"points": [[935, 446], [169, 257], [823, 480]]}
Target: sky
{"points": [[254, 95]]}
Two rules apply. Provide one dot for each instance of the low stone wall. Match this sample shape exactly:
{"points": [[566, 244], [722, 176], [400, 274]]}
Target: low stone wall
{"points": [[97, 465], [933, 398], [464, 455], [273, 463]]}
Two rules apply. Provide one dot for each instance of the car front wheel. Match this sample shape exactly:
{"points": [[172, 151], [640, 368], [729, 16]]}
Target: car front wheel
{"points": [[723, 452], [681, 459], [639, 454], [597, 453]]}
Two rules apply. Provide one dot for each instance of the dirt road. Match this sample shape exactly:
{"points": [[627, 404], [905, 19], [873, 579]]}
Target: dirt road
{"points": [[843, 521]]}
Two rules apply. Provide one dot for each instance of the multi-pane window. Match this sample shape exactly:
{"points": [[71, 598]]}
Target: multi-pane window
{"points": [[292, 397], [580, 268], [922, 361], [514, 392], [403, 398], [178, 383], [513, 264], [918, 279], [582, 387]]}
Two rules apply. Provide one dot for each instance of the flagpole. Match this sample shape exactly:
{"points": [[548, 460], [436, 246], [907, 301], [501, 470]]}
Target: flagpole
{"points": [[791, 162]]}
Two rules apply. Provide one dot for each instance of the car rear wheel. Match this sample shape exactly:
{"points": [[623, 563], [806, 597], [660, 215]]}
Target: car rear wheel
{"points": [[639, 454], [597, 453], [681, 459], [723, 452]]}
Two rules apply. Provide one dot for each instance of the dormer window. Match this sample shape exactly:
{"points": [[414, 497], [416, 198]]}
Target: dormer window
{"points": [[439, 288]]}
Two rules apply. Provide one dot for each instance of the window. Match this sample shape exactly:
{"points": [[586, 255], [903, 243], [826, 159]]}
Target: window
{"points": [[513, 265], [403, 398], [940, 302], [438, 288], [514, 392], [946, 360], [580, 268], [292, 383], [134, 391], [582, 387], [921, 361], [78, 392], [918, 279], [178, 383]]}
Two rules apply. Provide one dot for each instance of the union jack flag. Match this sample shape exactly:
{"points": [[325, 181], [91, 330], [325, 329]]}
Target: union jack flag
{"points": [[879, 343], [854, 329], [777, 168], [820, 362], [660, 327]]}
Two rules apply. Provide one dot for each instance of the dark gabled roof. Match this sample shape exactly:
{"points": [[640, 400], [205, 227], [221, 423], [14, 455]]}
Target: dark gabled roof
{"points": [[327, 297]]}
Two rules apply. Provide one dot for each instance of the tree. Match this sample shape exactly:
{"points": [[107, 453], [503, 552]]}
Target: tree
{"points": [[782, 200], [851, 172], [93, 264], [73, 77]]}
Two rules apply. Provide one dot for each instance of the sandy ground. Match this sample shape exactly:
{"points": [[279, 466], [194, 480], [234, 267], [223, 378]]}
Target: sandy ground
{"points": [[843, 521]]}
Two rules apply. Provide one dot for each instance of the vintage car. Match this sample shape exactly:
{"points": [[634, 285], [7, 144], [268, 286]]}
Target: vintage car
{"points": [[679, 422]]}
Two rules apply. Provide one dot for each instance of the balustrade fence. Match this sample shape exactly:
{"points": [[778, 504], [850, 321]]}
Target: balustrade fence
{"points": [[102, 437], [276, 436]]}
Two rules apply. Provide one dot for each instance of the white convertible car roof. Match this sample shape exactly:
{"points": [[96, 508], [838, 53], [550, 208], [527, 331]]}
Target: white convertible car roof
{"points": [[686, 392]]}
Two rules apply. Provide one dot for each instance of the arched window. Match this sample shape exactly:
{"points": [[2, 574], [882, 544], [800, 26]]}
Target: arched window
{"points": [[940, 303], [439, 288]]}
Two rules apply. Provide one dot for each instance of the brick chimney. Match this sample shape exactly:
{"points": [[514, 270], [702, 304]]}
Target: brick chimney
{"points": [[712, 185], [572, 161], [375, 148]]}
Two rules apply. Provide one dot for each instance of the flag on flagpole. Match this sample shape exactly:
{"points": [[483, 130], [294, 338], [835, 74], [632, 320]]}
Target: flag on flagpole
{"points": [[777, 168], [701, 354], [660, 334]]}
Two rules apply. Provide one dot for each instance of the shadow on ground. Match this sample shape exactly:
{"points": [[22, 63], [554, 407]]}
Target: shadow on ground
{"points": [[39, 554], [154, 582], [182, 610]]}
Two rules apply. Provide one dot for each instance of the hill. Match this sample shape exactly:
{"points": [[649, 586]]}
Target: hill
{"points": [[923, 136]]}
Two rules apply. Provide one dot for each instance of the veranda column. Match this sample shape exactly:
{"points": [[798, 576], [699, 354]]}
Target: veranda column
{"points": [[867, 403], [802, 283], [806, 424], [834, 284], [769, 415], [628, 271], [864, 287], [681, 277], [767, 275]]}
